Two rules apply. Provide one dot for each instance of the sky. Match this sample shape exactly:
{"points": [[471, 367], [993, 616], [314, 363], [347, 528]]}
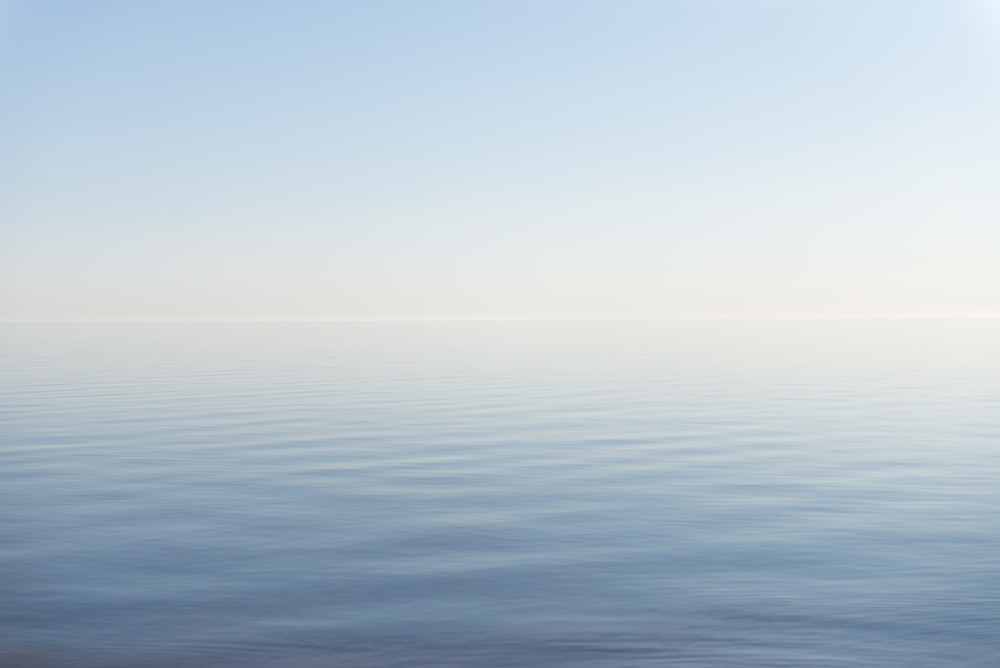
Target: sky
{"points": [[224, 160]]}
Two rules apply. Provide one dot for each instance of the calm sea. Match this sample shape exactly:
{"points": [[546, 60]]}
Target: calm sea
{"points": [[713, 494]]}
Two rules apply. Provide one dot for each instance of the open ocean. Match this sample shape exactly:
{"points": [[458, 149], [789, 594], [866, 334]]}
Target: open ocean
{"points": [[710, 494]]}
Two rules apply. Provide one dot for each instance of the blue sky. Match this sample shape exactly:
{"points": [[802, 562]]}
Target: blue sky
{"points": [[249, 160]]}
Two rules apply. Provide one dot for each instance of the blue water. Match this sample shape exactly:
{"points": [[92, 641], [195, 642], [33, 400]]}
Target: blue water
{"points": [[702, 494]]}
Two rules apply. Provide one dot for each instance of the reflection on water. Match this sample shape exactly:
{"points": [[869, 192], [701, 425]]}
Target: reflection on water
{"points": [[712, 494]]}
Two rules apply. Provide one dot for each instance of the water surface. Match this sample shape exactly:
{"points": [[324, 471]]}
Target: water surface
{"points": [[714, 494]]}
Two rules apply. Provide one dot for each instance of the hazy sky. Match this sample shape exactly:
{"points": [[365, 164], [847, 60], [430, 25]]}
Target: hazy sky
{"points": [[323, 159]]}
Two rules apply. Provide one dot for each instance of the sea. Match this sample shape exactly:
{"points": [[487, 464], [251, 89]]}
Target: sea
{"points": [[507, 494]]}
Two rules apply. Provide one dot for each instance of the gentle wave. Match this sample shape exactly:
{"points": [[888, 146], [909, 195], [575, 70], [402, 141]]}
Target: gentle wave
{"points": [[502, 494]]}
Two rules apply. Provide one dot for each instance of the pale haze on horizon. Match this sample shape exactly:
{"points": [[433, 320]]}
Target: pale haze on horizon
{"points": [[249, 160]]}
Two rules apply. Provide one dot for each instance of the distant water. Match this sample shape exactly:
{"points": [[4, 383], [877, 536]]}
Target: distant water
{"points": [[717, 494]]}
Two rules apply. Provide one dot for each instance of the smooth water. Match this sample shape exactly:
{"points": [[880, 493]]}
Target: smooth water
{"points": [[703, 494]]}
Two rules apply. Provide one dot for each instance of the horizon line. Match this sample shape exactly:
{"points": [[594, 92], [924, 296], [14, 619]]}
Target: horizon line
{"points": [[267, 321]]}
